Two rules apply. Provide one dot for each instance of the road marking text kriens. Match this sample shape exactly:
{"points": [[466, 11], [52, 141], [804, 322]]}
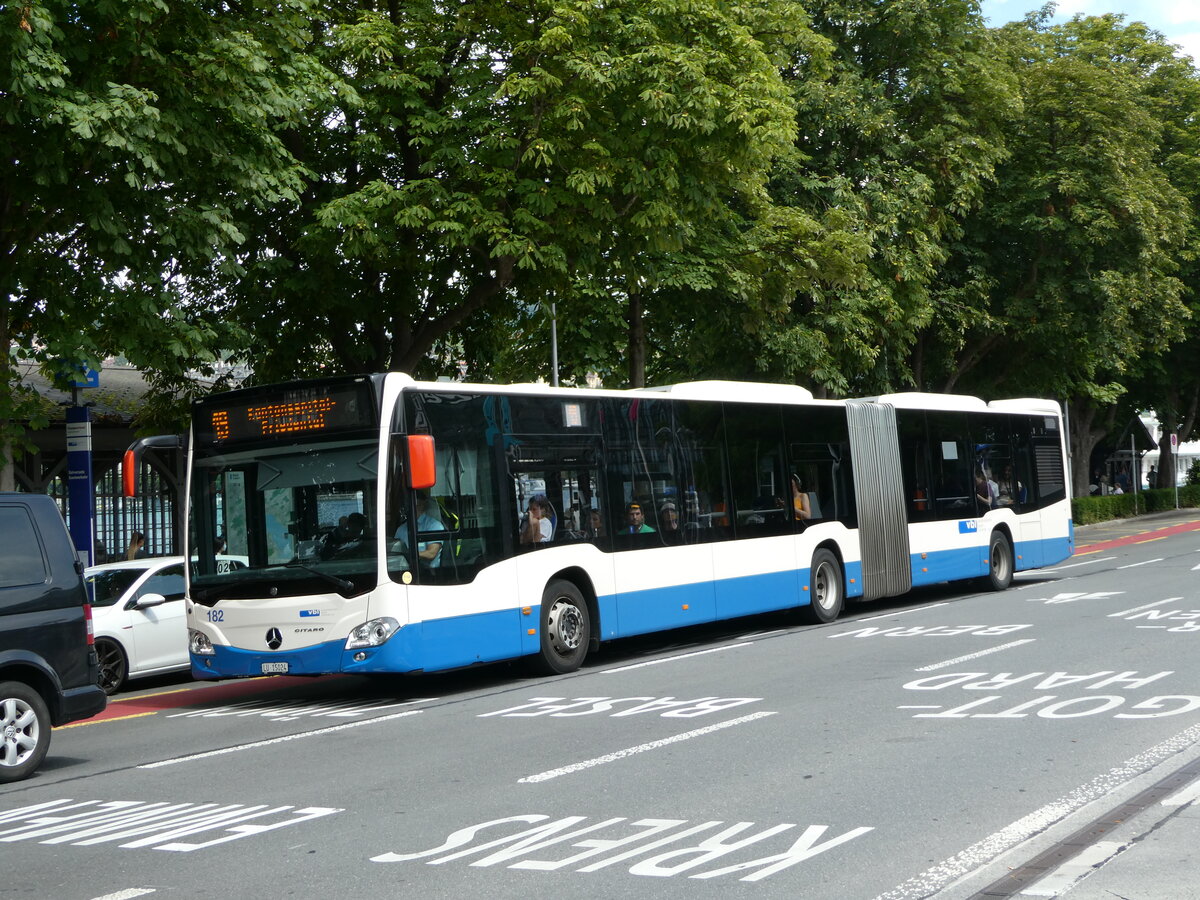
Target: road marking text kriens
{"points": [[628, 840]]}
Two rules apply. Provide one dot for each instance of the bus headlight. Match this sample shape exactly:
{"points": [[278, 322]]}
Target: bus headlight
{"points": [[372, 633], [199, 643]]}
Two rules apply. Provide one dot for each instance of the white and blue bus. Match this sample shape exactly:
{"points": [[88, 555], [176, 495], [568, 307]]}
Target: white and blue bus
{"points": [[390, 525]]}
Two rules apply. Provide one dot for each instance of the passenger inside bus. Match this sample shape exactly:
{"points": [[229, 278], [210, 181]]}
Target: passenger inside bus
{"points": [[635, 520], [538, 527], [801, 509], [668, 517]]}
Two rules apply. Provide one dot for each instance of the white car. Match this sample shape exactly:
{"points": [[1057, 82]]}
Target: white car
{"points": [[138, 617]]}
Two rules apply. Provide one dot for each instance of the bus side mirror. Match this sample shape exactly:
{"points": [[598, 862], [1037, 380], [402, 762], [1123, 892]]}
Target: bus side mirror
{"points": [[129, 467], [422, 470], [133, 458]]}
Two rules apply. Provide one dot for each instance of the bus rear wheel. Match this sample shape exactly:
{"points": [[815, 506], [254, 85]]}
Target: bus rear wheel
{"points": [[1000, 562], [566, 629], [827, 592]]}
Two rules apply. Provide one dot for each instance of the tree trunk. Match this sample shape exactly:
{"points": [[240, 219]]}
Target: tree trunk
{"points": [[8, 478], [1084, 435], [1165, 475], [637, 341]]}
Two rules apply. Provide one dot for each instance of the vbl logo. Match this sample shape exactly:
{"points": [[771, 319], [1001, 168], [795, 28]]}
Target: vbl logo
{"points": [[968, 527]]}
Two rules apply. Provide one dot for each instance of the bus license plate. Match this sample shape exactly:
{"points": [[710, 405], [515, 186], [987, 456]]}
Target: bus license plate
{"points": [[274, 668]]}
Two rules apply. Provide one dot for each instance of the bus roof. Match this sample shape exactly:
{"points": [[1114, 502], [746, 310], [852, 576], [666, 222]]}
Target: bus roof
{"points": [[744, 391], [736, 390]]}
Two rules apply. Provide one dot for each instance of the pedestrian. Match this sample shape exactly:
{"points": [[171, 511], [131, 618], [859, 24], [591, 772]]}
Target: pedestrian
{"points": [[137, 546]]}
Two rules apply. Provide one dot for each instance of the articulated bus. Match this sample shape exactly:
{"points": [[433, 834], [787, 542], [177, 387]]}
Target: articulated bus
{"points": [[389, 525]]}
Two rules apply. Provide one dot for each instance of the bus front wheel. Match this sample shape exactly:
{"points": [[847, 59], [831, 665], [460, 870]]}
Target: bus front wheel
{"points": [[827, 592], [566, 629], [1000, 562]]}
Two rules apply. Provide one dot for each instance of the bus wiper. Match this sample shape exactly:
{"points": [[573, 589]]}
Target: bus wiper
{"points": [[339, 583]]}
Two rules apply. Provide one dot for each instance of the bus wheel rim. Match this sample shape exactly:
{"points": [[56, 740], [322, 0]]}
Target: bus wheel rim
{"points": [[822, 587], [999, 560], [565, 626]]}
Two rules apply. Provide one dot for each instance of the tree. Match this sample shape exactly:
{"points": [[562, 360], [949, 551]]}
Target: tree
{"points": [[894, 149], [495, 155], [133, 131], [1067, 274]]}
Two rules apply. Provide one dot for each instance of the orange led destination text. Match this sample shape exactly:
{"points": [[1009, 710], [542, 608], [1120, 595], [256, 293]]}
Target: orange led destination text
{"points": [[288, 418]]}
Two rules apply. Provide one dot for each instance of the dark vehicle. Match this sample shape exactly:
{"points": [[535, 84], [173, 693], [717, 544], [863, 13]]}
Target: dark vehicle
{"points": [[48, 667]]}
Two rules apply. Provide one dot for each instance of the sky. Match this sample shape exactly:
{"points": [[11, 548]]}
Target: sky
{"points": [[1178, 20]]}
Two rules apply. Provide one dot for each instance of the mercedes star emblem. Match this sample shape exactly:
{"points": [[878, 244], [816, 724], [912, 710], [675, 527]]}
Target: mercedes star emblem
{"points": [[274, 639]]}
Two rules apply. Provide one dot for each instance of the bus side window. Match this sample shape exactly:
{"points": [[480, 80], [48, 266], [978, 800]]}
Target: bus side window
{"points": [[951, 460]]}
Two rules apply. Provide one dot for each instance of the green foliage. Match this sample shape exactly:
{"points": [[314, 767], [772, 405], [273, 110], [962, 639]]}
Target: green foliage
{"points": [[1089, 510], [134, 131], [853, 195], [490, 156], [1193, 473], [900, 126], [1073, 256]]}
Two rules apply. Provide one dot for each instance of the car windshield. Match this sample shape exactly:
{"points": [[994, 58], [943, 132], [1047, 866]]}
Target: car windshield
{"points": [[106, 588]]}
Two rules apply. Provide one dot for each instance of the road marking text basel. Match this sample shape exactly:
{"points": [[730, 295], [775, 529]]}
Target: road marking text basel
{"points": [[666, 707]]}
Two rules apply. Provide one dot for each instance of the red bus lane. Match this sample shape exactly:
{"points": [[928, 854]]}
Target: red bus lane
{"points": [[1141, 537], [198, 694]]}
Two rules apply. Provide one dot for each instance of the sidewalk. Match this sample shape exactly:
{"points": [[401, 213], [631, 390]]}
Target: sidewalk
{"points": [[1153, 854]]}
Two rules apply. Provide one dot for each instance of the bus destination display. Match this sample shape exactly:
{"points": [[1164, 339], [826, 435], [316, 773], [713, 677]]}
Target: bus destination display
{"points": [[308, 411]]}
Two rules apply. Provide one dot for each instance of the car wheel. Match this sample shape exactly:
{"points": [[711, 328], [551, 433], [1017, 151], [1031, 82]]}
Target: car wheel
{"points": [[566, 629], [24, 730], [114, 666], [827, 593]]}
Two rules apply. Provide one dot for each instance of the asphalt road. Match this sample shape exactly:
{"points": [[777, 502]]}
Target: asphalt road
{"points": [[954, 743]]}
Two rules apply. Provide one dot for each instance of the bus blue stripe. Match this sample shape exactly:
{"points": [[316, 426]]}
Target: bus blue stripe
{"points": [[503, 634]]}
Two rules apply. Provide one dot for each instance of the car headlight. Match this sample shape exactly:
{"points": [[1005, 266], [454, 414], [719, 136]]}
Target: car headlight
{"points": [[372, 633], [199, 643]]}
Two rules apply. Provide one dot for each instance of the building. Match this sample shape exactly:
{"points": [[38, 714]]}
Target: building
{"points": [[114, 404]]}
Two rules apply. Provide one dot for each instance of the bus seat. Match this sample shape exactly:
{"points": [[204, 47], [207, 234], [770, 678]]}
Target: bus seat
{"points": [[814, 506]]}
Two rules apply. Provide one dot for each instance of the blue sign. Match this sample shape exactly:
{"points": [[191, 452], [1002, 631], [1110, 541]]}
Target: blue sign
{"points": [[968, 527], [79, 478], [87, 378]]}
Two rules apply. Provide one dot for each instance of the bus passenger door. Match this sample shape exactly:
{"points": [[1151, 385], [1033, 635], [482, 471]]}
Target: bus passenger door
{"points": [[1029, 551], [660, 461], [757, 570]]}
